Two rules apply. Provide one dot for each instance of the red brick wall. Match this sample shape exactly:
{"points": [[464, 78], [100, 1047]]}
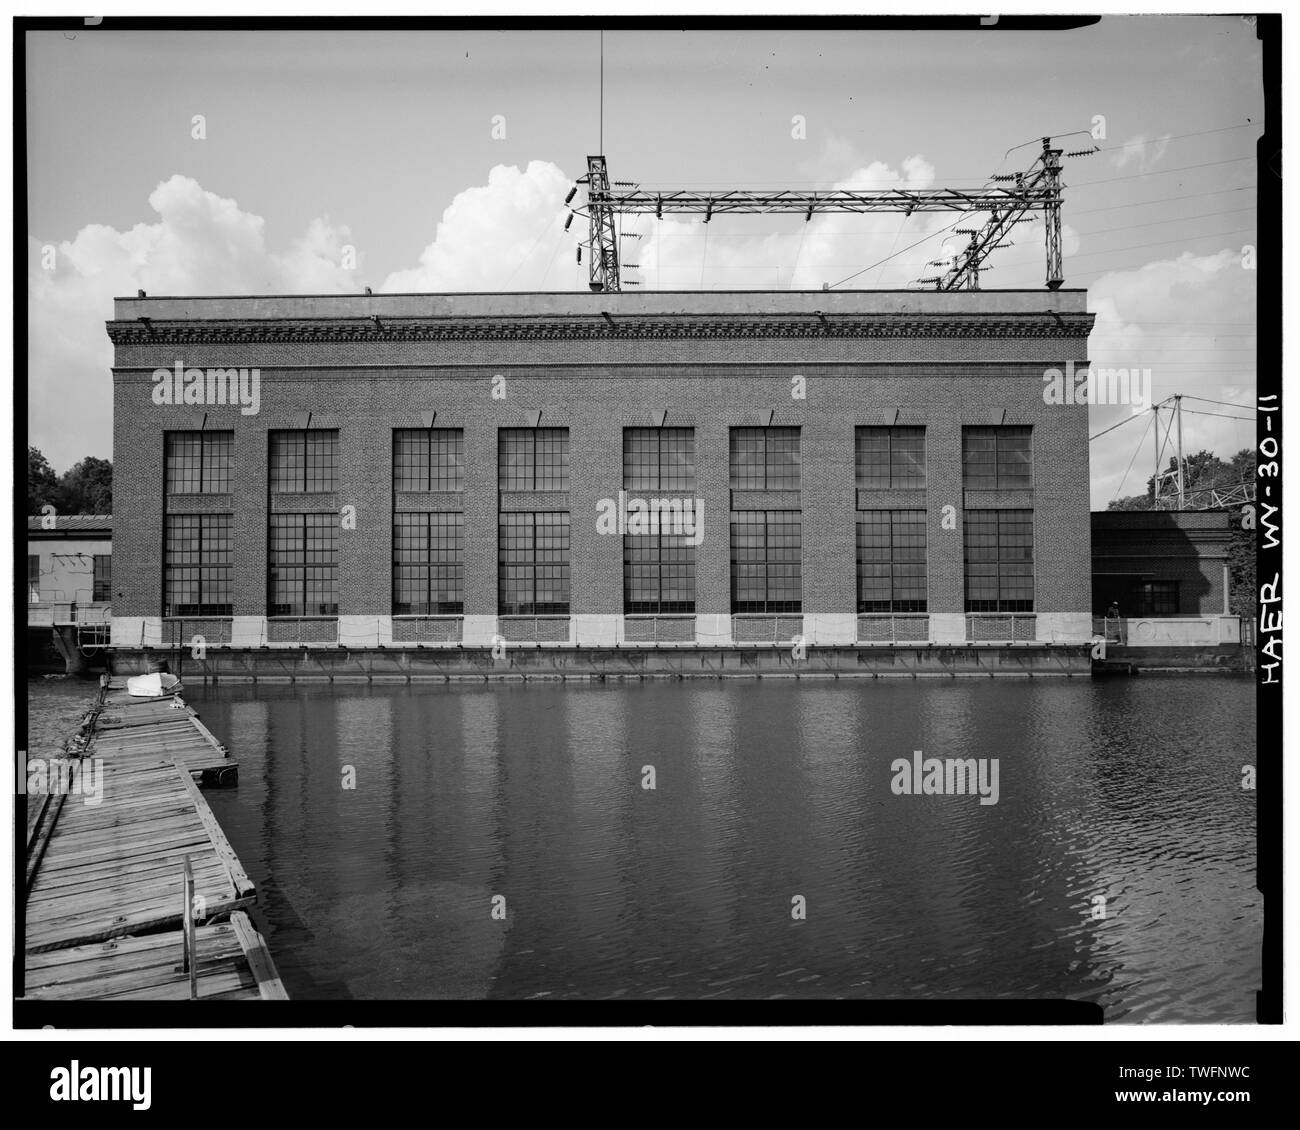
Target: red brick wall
{"points": [[596, 387]]}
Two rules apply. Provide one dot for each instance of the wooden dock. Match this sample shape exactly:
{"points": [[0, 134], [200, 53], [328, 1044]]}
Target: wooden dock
{"points": [[150, 967], [154, 731], [106, 890]]}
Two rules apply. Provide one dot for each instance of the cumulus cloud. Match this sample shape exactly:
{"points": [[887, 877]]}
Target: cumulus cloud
{"points": [[1189, 320], [685, 254], [1142, 152], [508, 235], [500, 236], [504, 235], [201, 243]]}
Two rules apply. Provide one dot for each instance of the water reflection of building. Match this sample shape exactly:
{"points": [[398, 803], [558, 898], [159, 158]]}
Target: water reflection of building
{"points": [[857, 468]]}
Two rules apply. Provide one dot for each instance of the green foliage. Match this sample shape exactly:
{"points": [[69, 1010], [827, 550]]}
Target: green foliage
{"points": [[42, 482], [86, 488], [1203, 470], [1242, 554]]}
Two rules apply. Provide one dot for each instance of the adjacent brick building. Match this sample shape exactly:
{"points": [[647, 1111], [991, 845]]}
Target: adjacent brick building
{"points": [[855, 468], [1161, 562]]}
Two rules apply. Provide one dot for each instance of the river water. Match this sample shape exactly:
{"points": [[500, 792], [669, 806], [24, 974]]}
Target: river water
{"points": [[531, 799], [55, 707]]}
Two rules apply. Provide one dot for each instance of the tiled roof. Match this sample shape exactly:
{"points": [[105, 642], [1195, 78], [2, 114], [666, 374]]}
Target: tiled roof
{"points": [[72, 523]]}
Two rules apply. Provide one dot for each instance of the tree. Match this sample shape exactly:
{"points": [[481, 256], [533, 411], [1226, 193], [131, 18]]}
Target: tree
{"points": [[1131, 502], [1243, 464], [1241, 567], [1200, 472], [88, 487], [42, 483]]}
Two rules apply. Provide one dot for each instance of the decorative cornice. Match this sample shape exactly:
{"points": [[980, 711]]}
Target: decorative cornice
{"points": [[694, 327]]}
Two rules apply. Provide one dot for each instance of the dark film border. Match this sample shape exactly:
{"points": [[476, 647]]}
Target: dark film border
{"points": [[33, 1014]]}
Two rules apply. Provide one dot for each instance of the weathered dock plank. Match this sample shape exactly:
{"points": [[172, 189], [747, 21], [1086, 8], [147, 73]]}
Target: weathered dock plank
{"points": [[157, 731], [106, 869], [258, 957], [105, 894], [232, 964]]}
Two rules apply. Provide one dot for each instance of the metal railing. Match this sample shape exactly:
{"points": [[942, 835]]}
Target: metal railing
{"points": [[181, 631], [1001, 627], [657, 628], [1108, 628], [428, 629], [894, 628], [766, 627], [300, 631], [533, 629], [47, 613]]}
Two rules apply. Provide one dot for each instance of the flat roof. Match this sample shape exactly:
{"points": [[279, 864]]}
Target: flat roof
{"points": [[659, 303], [1151, 519]]}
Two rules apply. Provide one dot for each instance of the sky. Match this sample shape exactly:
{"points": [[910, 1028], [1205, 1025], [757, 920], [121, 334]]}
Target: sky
{"points": [[440, 160]]}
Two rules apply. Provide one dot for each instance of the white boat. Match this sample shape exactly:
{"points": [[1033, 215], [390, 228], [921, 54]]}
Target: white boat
{"points": [[154, 685]]}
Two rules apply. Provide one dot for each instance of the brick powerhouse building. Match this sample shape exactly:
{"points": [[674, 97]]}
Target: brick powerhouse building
{"points": [[479, 438]]}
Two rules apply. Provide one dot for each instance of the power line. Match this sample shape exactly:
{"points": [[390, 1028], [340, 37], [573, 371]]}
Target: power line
{"points": [[519, 265], [1126, 420], [898, 233], [1161, 242], [846, 233], [1132, 247], [1221, 403], [1111, 329], [1162, 200], [1196, 322], [1157, 223], [1125, 266], [1198, 412], [923, 239], [972, 179], [550, 262], [1177, 137], [1136, 449], [878, 232], [967, 215], [1162, 172], [794, 269]]}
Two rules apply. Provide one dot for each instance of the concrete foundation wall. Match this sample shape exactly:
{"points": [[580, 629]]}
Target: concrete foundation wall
{"points": [[550, 662]]}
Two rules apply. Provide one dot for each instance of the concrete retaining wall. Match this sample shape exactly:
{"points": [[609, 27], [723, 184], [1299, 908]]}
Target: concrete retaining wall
{"points": [[322, 664]]}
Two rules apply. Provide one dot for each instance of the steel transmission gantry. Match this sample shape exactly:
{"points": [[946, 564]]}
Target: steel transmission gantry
{"points": [[1036, 190]]}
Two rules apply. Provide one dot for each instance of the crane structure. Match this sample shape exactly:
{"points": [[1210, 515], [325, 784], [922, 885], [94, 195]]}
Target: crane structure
{"points": [[1170, 487], [1174, 487], [1038, 189]]}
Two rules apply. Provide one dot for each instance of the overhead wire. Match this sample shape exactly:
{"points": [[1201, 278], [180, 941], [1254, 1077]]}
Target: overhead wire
{"points": [[1136, 449]]}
